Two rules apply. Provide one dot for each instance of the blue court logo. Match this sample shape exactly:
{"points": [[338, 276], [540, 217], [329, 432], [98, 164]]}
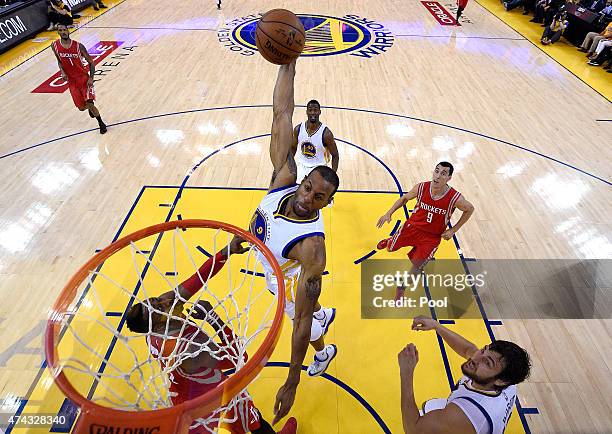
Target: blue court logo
{"points": [[325, 36]]}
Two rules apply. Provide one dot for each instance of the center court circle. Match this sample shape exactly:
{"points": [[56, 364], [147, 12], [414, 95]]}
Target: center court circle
{"points": [[325, 35]]}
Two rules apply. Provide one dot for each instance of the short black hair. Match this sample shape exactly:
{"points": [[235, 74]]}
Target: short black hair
{"points": [[314, 101], [135, 319], [448, 165], [517, 364], [328, 174]]}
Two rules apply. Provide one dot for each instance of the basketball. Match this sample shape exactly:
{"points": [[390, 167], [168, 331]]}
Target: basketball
{"points": [[280, 36]]}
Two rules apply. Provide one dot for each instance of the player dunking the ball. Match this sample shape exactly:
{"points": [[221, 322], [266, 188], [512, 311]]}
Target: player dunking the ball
{"points": [[436, 201], [171, 334], [289, 222], [72, 58]]}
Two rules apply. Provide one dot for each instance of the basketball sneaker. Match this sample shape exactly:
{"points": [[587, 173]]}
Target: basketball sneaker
{"points": [[290, 426], [382, 244], [329, 315], [319, 366]]}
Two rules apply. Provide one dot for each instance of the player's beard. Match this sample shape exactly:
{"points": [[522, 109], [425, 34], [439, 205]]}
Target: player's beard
{"points": [[483, 381]]}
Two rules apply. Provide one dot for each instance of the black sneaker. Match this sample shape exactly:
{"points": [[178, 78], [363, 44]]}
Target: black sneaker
{"points": [[103, 129], [102, 6], [96, 8]]}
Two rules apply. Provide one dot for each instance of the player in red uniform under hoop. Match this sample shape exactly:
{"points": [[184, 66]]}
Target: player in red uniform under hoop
{"points": [[71, 58], [199, 373], [427, 225]]}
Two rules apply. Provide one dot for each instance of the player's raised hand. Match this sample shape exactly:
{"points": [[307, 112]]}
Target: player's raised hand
{"points": [[408, 359], [236, 246], [284, 401], [386, 218], [201, 309], [423, 323]]}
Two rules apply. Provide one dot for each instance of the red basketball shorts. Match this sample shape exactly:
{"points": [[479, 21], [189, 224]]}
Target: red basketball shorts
{"points": [[81, 93], [424, 244]]}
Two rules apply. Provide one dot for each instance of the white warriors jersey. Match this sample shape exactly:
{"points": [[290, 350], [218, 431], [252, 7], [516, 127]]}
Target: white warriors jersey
{"points": [[488, 412], [280, 233], [311, 151]]}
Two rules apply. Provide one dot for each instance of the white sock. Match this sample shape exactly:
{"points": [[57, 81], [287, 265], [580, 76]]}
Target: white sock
{"points": [[322, 355], [319, 314]]}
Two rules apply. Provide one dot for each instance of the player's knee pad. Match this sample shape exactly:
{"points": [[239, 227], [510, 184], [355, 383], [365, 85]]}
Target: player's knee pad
{"points": [[316, 331]]}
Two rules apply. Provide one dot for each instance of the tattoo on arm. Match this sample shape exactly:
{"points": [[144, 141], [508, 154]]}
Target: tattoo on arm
{"points": [[313, 288], [291, 164]]}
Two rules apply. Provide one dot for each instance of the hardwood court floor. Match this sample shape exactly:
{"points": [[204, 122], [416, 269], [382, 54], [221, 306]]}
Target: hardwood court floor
{"points": [[521, 130]]}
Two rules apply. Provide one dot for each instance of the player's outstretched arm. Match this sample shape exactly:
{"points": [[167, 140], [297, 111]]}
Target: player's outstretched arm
{"points": [[311, 254], [386, 217], [285, 170], [468, 210], [458, 343], [449, 420]]}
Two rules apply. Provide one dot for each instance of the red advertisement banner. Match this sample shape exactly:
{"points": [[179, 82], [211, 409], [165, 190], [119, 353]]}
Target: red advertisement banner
{"points": [[441, 15]]}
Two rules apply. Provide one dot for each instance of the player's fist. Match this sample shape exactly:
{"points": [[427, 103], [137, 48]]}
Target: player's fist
{"points": [[408, 359], [386, 218], [423, 323]]}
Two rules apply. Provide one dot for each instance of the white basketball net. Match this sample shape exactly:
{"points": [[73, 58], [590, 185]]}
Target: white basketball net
{"points": [[115, 368]]}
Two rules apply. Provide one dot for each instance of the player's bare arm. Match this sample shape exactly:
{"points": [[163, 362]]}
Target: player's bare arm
{"points": [[450, 420], [59, 63], [296, 132], [468, 210], [386, 217], [330, 145], [285, 169], [90, 62], [311, 254], [458, 343]]}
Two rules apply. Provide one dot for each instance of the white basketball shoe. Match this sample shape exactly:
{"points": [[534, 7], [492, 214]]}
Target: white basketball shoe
{"points": [[319, 366], [328, 318]]}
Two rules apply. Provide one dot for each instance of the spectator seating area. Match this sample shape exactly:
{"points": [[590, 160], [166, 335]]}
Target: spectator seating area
{"points": [[587, 25]]}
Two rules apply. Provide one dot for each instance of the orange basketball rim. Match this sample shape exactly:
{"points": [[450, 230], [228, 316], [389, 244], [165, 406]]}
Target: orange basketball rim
{"points": [[97, 419]]}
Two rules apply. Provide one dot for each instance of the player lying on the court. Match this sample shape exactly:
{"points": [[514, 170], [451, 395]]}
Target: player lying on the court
{"points": [[427, 225], [72, 58], [289, 222], [197, 375], [483, 398]]}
